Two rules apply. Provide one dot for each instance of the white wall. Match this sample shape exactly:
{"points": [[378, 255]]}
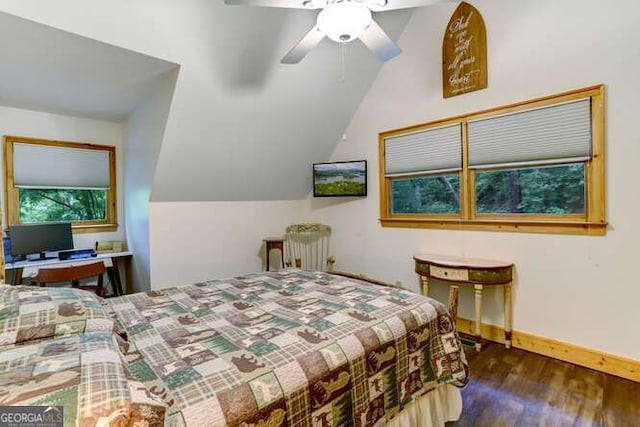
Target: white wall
{"points": [[35, 124], [143, 134], [195, 241], [577, 289]]}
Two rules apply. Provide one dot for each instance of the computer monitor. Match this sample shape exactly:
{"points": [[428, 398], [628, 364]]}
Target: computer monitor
{"points": [[40, 238]]}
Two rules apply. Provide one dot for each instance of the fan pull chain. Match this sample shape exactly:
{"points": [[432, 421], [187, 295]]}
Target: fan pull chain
{"points": [[343, 48]]}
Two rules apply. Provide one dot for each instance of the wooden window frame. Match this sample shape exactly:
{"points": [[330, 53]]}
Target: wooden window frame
{"points": [[12, 203], [592, 222]]}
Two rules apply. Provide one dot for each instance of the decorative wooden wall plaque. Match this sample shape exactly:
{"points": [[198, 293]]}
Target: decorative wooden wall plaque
{"points": [[464, 52]]}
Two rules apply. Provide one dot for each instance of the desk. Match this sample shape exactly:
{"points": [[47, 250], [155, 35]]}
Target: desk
{"points": [[30, 268], [470, 271]]}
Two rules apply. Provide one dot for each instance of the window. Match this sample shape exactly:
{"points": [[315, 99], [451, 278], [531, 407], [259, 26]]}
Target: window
{"points": [[434, 194], [536, 166], [553, 190], [53, 181]]}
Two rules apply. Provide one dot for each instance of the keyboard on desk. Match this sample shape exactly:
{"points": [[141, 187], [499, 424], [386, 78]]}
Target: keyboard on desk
{"points": [[76, 254]]}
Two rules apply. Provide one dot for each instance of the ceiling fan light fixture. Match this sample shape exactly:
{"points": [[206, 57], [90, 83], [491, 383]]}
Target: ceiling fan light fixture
{"points": [[345, 21]]}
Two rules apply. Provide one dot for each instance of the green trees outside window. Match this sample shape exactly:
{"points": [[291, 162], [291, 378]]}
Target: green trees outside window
{"points": [[426, 195], [556, 190], [54, 205]]}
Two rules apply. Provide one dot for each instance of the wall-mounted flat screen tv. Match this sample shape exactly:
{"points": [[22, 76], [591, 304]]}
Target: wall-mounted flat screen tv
{"points": [[340, 179]]}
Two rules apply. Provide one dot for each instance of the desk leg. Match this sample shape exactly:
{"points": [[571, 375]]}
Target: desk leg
{"points": [[424, 285], [17, 276], [116, 277], [508, 315], [112, 281], [478, 290]]}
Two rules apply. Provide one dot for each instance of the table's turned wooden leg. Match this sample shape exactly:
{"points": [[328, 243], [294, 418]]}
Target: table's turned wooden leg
{"points": [[478, 290], [453, 304], [508, 315], [424, 285]]}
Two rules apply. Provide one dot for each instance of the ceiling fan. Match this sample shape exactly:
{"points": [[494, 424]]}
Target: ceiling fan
{"points": [[342, 21]]}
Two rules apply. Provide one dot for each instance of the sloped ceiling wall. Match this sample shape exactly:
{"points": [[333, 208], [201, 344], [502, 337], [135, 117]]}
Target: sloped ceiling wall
{"points": [[54, 71], [241, 126]]}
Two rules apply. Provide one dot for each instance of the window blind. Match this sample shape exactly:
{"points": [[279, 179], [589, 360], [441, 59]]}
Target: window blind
{"points": [[429, 151], [555, 134], [45, 166]]}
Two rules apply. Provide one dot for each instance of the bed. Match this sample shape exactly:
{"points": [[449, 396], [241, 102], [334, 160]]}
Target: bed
{"points": [[292, 348]]}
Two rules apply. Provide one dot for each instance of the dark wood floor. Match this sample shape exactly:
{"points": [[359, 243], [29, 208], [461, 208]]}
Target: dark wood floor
{"points": [[517, 388]]}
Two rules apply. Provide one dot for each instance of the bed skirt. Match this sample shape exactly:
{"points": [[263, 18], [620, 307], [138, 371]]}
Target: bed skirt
{"points": [[435, 408]]}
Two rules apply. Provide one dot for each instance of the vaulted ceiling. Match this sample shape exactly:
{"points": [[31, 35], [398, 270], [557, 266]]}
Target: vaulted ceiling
{"points": [[241, 126], [51, 70]]}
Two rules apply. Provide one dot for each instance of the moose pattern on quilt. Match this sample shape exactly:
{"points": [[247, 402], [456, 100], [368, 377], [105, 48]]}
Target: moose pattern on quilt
{"points": [[30, 313], [288, 348], [85, 373]]}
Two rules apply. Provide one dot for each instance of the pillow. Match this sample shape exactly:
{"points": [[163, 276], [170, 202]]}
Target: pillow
{"points": [[85, 374], [30, 313]]}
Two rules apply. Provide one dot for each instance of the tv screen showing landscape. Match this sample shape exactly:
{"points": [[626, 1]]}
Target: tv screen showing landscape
{"points": [[340, 179]]}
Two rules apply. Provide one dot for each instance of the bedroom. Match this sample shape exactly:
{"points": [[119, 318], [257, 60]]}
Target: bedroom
{"points": [[214, 117]]}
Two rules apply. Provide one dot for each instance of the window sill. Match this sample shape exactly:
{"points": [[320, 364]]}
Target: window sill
{"points": [[509, 225], [93, 228]]}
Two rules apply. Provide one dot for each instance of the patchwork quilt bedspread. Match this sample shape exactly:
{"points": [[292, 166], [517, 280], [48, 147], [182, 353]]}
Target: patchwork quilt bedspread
{"points": [[84, 374], [292, 348]]}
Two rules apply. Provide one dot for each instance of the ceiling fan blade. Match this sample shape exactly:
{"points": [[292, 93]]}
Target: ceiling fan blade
{"points": [[292, 4], [304, 46], [384, 5], [379, 42]]}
